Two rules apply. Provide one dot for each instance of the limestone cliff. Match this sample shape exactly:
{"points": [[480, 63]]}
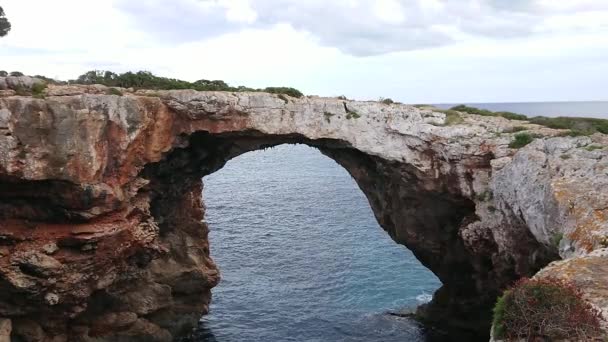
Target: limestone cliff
{"points": [[101, 218]]}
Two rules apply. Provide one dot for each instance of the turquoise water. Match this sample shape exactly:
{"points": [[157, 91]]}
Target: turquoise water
{"points": [[302, 256]]}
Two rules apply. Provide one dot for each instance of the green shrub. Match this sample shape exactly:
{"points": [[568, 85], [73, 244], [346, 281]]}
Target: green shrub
{"points": [[387, 101], [16, 73], [38, 90], [352, 115], [485, 112], [452, 117], [473, 110], [545, 309], [3, 73], [284, 90], [21, 91], [556, 239], [521, 139], [114, 91], [147, 80], [512, 116], [577, 126]]}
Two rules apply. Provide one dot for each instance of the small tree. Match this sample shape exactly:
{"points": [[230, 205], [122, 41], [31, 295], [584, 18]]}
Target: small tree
{"points": [[3, 73], [5, 26], [16, 73]]}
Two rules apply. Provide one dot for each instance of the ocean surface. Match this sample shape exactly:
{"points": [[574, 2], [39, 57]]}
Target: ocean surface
{"points": [[301, 255]]}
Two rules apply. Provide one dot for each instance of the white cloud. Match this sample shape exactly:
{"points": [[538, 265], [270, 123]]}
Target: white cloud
{"points": [[412, 51], [389, 11]]}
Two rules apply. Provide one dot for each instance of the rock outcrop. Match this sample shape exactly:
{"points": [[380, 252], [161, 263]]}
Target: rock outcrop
{"points": [[101, 218]]}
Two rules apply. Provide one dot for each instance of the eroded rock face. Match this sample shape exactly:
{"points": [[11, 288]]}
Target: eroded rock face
{"points": [[101, 218]]}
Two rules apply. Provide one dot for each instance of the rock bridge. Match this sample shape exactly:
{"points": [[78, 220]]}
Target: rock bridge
{"points": [[101, 217]]}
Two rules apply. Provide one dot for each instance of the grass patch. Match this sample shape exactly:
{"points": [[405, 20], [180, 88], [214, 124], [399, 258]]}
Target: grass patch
{"points": [[545, 309], [114, 91], [521, 139], [565, 156]]}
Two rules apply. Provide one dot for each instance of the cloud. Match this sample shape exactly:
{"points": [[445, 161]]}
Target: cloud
{"points": [[411, 51], [361, 27]]}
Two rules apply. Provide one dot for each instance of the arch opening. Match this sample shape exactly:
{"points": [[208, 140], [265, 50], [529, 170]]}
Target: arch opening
{"points": [[301, 254]]}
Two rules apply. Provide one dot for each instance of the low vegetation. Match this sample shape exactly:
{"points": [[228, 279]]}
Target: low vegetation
{"points": [[114, 91], [352, 115], [545, 310], [484, 112], [386, 101], [147, 80], [556, 239], [38, 90], [576, 126], [521, 139], [452, 117]]}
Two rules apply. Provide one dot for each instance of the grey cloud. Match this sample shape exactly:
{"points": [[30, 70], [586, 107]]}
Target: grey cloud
{"points": [[347, 25]]}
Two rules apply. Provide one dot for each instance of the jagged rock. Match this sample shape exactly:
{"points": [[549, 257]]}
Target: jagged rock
{"points": [[115, 183]]}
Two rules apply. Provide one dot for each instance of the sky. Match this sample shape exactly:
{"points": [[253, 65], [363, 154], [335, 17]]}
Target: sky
{"points": [[413, 51]]}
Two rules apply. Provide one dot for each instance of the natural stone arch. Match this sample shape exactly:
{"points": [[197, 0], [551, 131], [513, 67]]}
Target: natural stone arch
{"points": [[101, 214], [428, 225]]}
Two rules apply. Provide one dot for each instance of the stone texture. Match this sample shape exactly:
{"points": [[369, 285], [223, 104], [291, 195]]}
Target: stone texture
{"points": [[5, 330], [101, 218]]}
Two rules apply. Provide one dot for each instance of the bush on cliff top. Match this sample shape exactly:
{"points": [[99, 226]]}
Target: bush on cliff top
{"points": [[484, 112], [521, 139], [577, 126], [549, 309], [147, 80]]}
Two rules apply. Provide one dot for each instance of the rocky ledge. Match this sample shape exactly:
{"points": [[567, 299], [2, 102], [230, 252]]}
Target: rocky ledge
{"points": [[102, 234]]}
